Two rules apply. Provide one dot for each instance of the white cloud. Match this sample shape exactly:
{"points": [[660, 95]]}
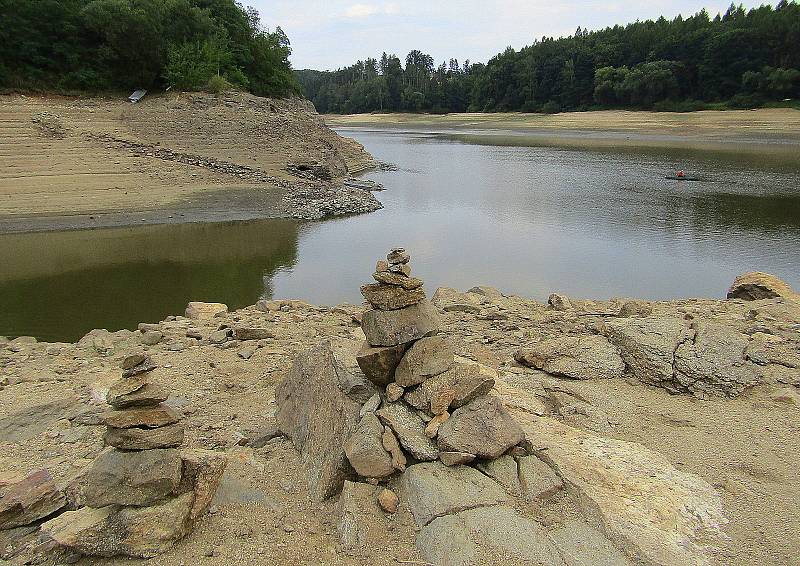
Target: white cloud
{"points": [[356, 11]]}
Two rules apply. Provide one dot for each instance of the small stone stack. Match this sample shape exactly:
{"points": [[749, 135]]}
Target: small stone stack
{"points": [[140, 420], [142, 493], [421, 384]]}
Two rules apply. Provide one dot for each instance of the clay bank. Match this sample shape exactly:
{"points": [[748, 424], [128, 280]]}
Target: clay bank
{"points": [[454, 428]]}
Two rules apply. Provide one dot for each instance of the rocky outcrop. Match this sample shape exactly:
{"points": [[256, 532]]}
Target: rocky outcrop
{"points": [[574, 357], [757, 285], [33, 498]]}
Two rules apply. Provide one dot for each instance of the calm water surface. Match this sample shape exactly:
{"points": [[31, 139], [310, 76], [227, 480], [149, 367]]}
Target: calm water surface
{"points": [[472, 210]]}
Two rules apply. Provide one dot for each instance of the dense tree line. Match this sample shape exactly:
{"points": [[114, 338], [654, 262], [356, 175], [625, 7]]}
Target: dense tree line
{"points": [[739, 58], [96, 45]]}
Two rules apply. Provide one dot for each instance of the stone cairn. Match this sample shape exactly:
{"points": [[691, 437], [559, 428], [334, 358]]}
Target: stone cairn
{"points": [[142, 493], [431, 407]]}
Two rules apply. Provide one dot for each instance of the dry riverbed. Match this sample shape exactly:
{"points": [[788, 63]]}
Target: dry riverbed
{"points": [[176, 157], [745, 448]]}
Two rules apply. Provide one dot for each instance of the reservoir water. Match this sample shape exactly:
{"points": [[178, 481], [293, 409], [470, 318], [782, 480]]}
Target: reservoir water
{"points": [[479, 209]]}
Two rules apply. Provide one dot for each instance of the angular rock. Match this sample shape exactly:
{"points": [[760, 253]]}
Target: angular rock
{"points": [[151, 337], [398, 279], [382, 265], [391, 297], [559, 302], [372, 405], [143, 367], [168, 436], [398, 256], [133, 360], [482, 427], [205, 311], [142, 532], [432, 428], [401, 268], [319, 417], [30, 499], [149, 417], [252, 333], [433, 490], [409, 429], [392, 446], [647, 345], [201, 475], [576, 357], [504, 471], [362, 525], [148, 395], [756, 285], [487, 535], [466, 381], [379, 363], [714, 363], [365, 451], [456, 458], [425, 358], [581, 545], [390, 328], [132, 478], [538, 480], [394, 392]]}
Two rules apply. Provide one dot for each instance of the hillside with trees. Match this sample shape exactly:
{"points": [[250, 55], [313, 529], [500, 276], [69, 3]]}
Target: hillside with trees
{"points": [[99, 45], [737, 59]]}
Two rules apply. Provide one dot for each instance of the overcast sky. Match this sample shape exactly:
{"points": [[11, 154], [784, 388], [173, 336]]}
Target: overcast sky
{"points": [[328, 34]]}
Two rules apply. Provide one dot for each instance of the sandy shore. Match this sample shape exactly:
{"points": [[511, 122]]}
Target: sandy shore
{"points": [[72, 163]]}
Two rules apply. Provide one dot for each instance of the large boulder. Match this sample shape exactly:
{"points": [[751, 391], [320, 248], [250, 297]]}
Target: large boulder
{"points": [[365, 451], [132, 478], [433, 490], [390, 328], [425, 358], [714, 363], [142, 532], [482, 427], [409, 428], [647, 345], [30, 499], [576, 357], [488, 535], [316, 413], [757, 285]]}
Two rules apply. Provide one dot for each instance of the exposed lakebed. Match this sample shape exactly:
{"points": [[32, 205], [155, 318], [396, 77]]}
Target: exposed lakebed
{"points": [[484, 209]]}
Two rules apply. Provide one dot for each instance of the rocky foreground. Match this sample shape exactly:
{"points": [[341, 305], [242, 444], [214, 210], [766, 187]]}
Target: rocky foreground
{"points": [[649, 432]]}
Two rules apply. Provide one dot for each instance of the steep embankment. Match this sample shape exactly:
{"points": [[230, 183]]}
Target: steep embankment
{"points": [[71, 162]]}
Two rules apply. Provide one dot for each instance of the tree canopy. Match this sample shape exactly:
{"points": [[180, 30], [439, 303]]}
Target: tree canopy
{"points": [[740, 58], [97, 45]]}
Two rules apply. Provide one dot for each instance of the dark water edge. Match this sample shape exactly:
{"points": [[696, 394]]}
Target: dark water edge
{"points": [[528, 219]]}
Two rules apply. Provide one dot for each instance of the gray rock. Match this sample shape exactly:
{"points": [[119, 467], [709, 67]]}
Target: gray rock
{"points": [[487, 535], [319, 417], [260, 437], [30, 499], [390, 328], [365, 451], [647, 345], [132, 478], [433, 490], [142, 532], [151, 337], [133, 360], [219, 336], [559, 302], [409, 429], [402, 268], [147, 417], [576, 357], [372, 405], [148, 395], [379, 363], [391, 297], [482, 427], [581, 545], [398, 256], [425, 358], [399, 279], [714, 362], [135, 438], [466, 381], [252, 333], [144, 366], [462, 307], [537, 479], [503, 471]]}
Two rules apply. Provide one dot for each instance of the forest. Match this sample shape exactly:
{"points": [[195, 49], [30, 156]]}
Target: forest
{"points": [[103, 45], [739, 59]]}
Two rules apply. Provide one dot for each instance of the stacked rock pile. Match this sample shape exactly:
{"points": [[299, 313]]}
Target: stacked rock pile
{"points": [[142, 493], [431, 407]]}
